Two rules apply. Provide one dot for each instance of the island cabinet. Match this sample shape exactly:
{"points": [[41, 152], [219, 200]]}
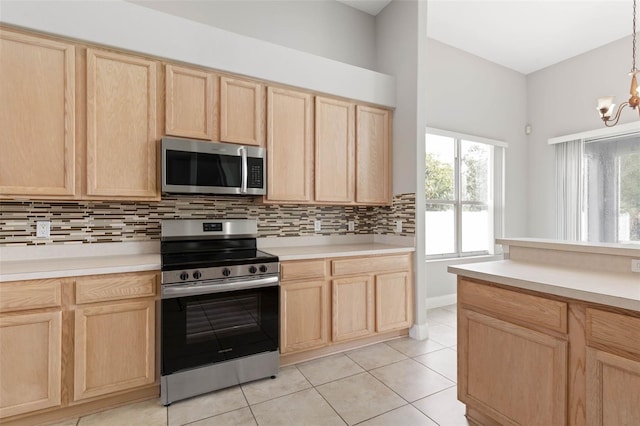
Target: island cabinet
{"points": [[613, 368], [527, 358], [73, 345], [333, 304]]}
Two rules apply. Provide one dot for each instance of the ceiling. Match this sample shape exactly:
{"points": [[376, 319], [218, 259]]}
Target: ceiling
{"points": [[523, 35]]}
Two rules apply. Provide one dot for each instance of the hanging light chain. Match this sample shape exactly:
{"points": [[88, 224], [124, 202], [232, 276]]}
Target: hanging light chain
{"points": [[633, 69]]}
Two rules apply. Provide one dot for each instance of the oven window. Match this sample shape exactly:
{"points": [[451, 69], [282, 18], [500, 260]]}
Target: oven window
{"points": [[200, 169], [224, 318]]}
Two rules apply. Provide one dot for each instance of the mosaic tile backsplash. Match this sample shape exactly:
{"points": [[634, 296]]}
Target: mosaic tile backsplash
{"points": [[100, 222]]}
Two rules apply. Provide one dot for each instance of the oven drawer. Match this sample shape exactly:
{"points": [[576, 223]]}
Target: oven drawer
{"points": [[100, 288]]}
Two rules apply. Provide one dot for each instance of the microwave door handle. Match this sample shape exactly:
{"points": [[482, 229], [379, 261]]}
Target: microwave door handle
{"points": [[243, 153]]}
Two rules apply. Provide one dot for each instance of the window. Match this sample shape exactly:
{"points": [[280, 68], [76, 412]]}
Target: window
{"points": [[611, 190], [462, 174]]}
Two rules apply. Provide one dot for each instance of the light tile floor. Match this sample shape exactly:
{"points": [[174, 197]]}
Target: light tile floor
{"points": [[401, 382]]}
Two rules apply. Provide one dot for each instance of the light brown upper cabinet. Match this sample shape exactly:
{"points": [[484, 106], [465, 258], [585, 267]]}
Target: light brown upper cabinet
{"points": [[121, 126], [334, 151], [37, 117], [373, 156], [289, 145], [190, 103], [241, 111]]}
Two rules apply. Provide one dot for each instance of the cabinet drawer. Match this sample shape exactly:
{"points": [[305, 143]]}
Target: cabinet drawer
{"points": [[114, 287], [511, 305], [23, 295], [366, 265], [613, 330], [296, 270]]}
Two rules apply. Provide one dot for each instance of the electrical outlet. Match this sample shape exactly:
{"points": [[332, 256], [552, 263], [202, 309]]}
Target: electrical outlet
{"points": [[635, 265], [317, 225], [351, 226], [398, 226], [43, 229]]}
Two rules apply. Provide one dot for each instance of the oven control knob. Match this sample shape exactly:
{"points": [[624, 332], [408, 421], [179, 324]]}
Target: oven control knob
{"points": [[184, 276], [263, 268], [226, 272], [253, 269], [197, 275]]}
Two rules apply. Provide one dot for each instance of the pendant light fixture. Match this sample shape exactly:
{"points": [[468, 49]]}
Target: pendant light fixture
{"points": [[606, 105]]}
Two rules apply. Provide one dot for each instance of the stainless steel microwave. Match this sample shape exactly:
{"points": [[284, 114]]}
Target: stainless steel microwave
{"points": [[198, 167]]}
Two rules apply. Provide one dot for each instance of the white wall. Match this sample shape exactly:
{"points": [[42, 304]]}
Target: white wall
{"points": [[400, 40], [320, 27], [129, 26], [471, 95], [562, 100]]}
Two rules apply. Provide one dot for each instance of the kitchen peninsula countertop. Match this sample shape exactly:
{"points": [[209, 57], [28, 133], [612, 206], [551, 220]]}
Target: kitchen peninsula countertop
{"points": [[597, 273]]}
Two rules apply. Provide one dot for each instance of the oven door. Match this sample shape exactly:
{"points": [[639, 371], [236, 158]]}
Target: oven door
{"points": [[203, 329]]}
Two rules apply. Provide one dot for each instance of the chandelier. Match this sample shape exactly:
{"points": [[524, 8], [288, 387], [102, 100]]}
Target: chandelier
{"points": [[606, 105]]}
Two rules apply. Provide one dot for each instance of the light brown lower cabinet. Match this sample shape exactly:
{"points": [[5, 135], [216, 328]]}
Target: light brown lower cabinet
{"points": [[305, 305], [30, 362], [528, 358], [332, 304], [74, 345], [114, 348]]}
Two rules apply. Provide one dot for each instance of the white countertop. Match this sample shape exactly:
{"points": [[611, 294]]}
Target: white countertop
{"points": [[336, 250], [621, 290], [70, 260], [77, 266]]}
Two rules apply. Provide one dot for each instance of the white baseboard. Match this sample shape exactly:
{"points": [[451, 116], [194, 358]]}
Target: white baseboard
{"points": [[419, 332], [447, 299]]}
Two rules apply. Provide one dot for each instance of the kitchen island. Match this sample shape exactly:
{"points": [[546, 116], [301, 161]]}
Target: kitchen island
{"points": [[550, 335]]}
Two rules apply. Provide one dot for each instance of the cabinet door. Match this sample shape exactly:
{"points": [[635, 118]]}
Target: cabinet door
{"points": [[394, 301], [290, 145], [613, 389], [37, 116], [373, 156], [114, 348], [305, 315], [30, 362], [121, 126], [241, 111], [352, 308], [190, 103], [516, 374], [334, 153]]}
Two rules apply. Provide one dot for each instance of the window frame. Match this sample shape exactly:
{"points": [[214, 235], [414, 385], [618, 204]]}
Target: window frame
{"points": [[493, 205]]}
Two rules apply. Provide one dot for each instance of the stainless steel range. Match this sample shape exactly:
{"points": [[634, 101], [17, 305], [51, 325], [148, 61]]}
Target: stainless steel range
{"points": [[220, 307]]}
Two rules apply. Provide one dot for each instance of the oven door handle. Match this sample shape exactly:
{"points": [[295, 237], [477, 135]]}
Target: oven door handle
{"points": [[181, 290]]}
